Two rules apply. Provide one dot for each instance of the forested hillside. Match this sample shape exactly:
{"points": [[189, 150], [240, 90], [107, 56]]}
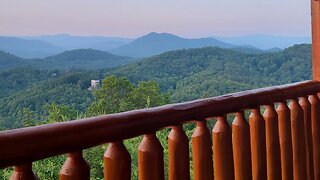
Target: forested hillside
{"points": [[184, 74], [18, 79], [27, 91], [9, 61], [195, 73]]}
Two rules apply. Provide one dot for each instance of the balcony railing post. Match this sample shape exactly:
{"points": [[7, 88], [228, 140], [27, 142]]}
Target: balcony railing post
{"points": [[272, 143], [285, 140], [75, 168], [241, 147], [150, 158], [117, 162], [202, 152], [315, 126], [24, 172], [306, 106], [298, 140], [258, 145], [178, 145], [222, 150], [315, 12]]}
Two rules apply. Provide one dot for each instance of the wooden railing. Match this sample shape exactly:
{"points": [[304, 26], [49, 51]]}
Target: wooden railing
{"points": [[283, 143]]}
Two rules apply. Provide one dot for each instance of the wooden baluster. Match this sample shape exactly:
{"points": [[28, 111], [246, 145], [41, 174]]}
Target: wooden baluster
{"points": [[202, 152], [241, 147], [117, 162], [285, 140], [24, 172], [179, 163], [258, 145], [272, 143], [306, 106], [75, 168], [150, 158], [298, 140], [222, 150], [315, 127]]}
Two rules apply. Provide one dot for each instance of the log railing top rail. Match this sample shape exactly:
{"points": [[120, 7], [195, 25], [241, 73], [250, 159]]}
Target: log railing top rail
{"points": [[23, 145]]}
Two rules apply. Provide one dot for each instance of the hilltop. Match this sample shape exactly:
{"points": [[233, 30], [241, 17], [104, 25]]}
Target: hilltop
{"points": [[74, 59], [83, 59], [156, 43], [9, 61]]}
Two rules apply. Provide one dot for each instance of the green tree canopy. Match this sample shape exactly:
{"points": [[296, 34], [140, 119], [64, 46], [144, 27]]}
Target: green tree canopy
{"points": [[118, 94]]}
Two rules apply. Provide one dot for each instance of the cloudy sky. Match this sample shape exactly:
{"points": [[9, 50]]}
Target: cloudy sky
{"points": [[132, 18]]}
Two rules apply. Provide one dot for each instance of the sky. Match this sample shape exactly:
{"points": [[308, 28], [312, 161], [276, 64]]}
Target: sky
{"points": [[133, 18]]}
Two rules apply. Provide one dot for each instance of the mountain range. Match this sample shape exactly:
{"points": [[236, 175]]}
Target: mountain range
{"points": [[28, 48], [147, 45], [157, 43], [73, 59], [69, 42]]}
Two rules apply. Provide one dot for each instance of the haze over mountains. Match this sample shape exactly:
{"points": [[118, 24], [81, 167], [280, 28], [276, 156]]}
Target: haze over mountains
{"points": [[28, 48], [69, 42], [265, 42], [147, 45]]}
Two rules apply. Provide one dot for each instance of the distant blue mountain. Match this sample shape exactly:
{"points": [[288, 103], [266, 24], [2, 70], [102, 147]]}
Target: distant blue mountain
{"points": [[70, 42], [28, 48], [265, 42], [156, 43], [148, 45]]}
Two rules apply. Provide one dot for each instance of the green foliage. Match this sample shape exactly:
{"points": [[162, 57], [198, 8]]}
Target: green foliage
{"points": [[60, 113], [113, 97], [40, 87], [15, 80], [6, 173], [148, 94], [29, 118], [94, 157], [119, 94], [49, 168]]}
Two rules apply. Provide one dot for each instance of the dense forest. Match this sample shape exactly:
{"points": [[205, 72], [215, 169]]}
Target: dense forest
{"points": [[184, 74], [194, 73], [31, 96]]}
